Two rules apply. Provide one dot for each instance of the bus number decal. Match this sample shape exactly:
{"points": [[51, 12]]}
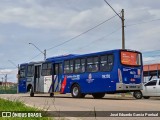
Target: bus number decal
{"points": [[106, 76]]}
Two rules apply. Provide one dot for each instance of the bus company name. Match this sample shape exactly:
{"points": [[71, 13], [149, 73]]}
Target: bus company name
{"points": [[74, 77]]}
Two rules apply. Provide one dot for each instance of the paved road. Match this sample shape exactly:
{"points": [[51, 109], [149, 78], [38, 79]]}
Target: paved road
{"points": [[67, 103]]}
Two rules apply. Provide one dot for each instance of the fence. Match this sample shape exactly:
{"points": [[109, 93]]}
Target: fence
{"points": [[8, 89]]}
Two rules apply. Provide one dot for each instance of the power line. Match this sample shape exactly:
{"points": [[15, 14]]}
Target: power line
{"points": [[150, 51], [84, 46], [113, 9], [144, 22], [34, 57], [82, 33], [154, 56], [100, 39]]}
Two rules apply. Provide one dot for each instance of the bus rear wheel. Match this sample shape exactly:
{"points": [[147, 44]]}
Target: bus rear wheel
{"points": [[51, 94], [138, 94], [31, 92], [98, 95], [75, 91]]}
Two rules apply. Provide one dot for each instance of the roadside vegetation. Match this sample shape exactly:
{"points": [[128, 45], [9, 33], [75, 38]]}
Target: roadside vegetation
{"points": [[7, 105], [8, 90]]}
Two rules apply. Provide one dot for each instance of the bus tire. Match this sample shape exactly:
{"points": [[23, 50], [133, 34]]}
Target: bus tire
{"points": [[138, 94], [146, 97], [31, 92], [76, 92], [98, 95], [51, 94]]}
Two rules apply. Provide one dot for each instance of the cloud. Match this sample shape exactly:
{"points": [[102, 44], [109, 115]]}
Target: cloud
{"points": [[34, 16], [48, 23], [8, 71]]}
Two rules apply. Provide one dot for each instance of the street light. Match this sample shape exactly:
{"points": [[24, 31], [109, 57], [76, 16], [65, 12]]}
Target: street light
{"points": [[44, 53]]}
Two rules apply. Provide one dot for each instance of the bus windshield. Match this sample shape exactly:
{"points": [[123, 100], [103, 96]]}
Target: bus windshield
{"points": [[22, 72], [130, 58]]}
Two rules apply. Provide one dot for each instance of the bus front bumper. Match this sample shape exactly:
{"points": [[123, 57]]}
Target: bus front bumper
{"points": [[128, 87]]}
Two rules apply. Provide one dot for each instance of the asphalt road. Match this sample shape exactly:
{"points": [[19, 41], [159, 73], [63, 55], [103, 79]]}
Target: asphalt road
{"points": [[67, 103]]}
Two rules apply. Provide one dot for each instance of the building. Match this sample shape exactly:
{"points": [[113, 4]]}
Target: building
{"points": [[7, 84], [151, 71]]}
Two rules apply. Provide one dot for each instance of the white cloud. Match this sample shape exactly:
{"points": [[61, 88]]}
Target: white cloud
{"points": [[48, 23], [8, 71]]}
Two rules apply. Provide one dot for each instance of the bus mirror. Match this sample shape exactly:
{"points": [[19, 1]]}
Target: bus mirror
{"points": [[18, 76]]}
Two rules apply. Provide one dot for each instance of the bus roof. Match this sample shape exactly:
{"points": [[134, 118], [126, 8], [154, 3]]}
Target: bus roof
{"points": [[61, 57], [71, 56], [36, 62], [23, 64]]}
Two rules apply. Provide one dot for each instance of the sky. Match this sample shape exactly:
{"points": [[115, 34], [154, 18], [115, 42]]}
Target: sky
{"points": [[49, 23]]}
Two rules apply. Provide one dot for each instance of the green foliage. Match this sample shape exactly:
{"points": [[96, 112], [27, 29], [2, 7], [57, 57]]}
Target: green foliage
{"points": [[8, 90], [16, 105]]}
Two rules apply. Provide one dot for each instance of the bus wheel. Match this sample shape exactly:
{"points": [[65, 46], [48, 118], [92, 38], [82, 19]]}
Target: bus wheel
{"points": [[138, 94], [76, 93], [98, 95], [31, 92], [146, 97], [51, 94]]}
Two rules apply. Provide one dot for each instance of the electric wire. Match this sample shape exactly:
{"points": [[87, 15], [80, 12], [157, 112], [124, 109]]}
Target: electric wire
{"points": [[144, 22], [100, 39], [82, 33], [34, 57]]}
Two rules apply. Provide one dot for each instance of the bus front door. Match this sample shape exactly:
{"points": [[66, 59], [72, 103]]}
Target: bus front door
{"points": [[57, 77], [37, 78]]}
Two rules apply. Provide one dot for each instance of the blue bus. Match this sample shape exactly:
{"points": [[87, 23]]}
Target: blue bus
{"points": [[114, 71]]}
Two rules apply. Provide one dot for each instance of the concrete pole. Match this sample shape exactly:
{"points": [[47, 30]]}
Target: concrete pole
{"points": [[123, 35]]}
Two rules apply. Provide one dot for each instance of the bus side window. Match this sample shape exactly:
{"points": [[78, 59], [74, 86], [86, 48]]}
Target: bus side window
{"points": [[83, 64], [46, 69], [60, 69], [96, 64], [30, 71], [110, 62], [106, 63], [89, 64], [56, 69], [66, 67], [71, 66], [92, 64], [77, 66], [103, 63]]}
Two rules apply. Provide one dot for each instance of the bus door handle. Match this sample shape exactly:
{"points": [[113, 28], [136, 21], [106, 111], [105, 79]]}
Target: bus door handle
{"points": [[154, 87]]}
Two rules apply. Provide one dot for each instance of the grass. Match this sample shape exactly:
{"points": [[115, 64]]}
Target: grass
{"points": [[7, 105], [8, 90]]}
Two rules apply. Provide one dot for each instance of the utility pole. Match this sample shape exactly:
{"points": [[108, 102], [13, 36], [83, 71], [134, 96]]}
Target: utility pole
{"points": [[123, 35], [5, 82], [122, 19], [44, 53], [2, 82], [18, 77]]}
